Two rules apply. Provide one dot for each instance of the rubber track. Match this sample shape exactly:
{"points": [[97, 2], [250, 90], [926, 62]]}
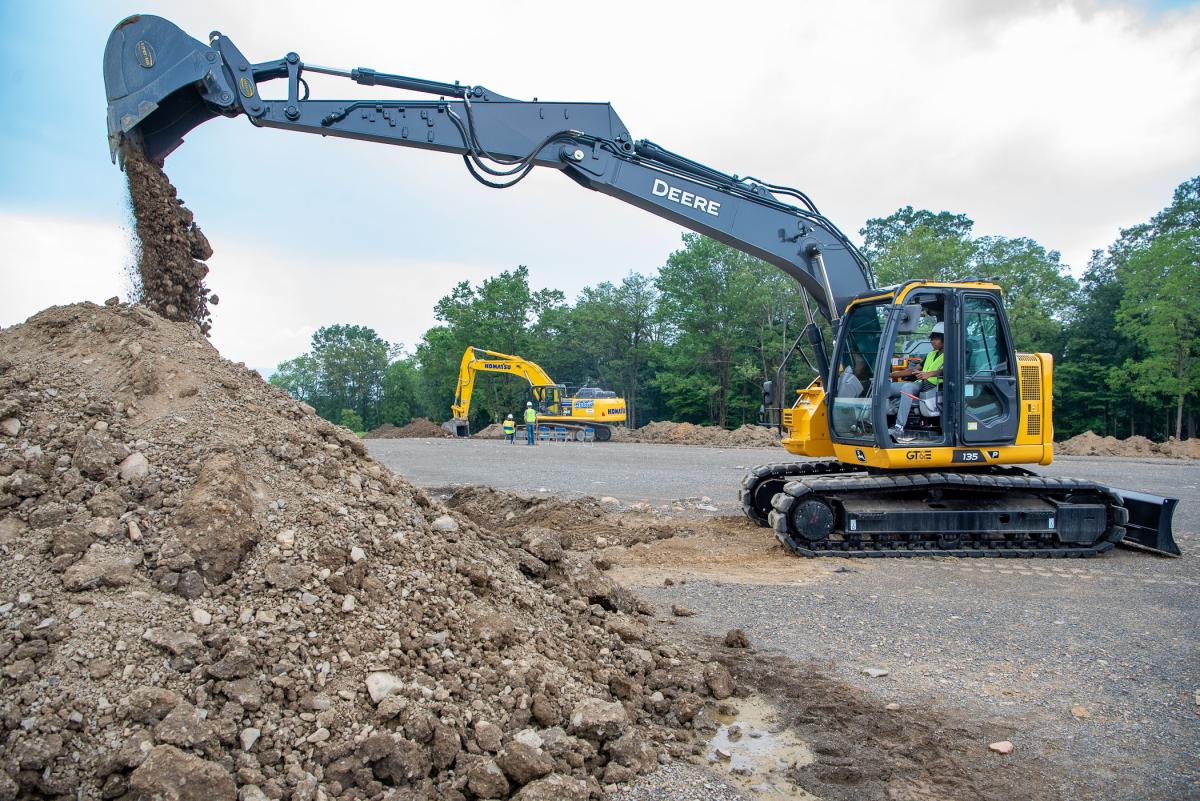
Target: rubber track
{"points": [[782, 470], [996, 483]]}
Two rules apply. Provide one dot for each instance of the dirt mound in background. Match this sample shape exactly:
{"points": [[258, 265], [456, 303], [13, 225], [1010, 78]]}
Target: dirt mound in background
{"points": [[205, 584], [495, 431], [665, 432], [1091, 444], [418, 427], [171, 248]]}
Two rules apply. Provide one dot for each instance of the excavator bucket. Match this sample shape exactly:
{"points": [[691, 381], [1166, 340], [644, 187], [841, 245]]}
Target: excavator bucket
{"points": [[1149, 526], [458, 427], [161, 83]]}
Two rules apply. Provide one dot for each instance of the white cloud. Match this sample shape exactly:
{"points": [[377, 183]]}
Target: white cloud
{"points": [[270, 303], [1058, 120], [51, 261]]}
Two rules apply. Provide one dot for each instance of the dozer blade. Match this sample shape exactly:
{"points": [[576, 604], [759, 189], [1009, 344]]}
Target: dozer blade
{"points": [[1149, 526], [161, 83]]}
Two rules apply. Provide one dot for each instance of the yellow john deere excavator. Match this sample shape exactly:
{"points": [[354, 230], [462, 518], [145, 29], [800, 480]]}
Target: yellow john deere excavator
{"points": [[903, 468], [586, 407]]}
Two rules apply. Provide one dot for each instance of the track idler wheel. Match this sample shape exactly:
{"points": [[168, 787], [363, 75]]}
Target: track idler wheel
{"points": [[801, 520]]}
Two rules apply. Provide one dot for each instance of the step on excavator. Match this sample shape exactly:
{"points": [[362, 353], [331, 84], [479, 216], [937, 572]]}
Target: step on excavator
{"points": [[575, 412], [934, 466]]}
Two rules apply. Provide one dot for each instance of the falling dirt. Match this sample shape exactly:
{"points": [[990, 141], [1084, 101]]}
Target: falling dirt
{"points": [[171, 248], [417, 428], [1091, 444]]}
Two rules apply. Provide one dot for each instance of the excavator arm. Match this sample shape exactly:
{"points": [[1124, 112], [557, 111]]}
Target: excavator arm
{"points": [[162, 83], [475, 360]]}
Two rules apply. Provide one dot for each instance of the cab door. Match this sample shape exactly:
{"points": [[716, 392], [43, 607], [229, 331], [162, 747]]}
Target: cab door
{"points": [[990, 407]]}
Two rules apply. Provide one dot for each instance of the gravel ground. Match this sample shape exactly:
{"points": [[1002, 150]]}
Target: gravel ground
{"points": [[1017, 642]]}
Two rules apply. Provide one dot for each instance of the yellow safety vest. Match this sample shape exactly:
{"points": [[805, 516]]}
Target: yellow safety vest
{"points": [[933, 361], [530, 415], [509, 426]]}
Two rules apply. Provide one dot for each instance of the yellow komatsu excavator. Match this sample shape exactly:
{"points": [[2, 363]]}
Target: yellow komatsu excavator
{"points": [[916, 453], [586, 407]]}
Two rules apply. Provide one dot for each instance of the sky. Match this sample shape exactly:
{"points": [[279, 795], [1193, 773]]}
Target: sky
{"points": [[1060, 121]]}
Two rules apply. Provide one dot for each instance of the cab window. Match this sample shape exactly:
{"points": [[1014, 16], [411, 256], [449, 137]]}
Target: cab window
{"points": [[851, 408]]}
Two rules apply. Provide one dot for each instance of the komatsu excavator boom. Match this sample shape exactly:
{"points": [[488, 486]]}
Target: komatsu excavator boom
{"points": [[576, 412], [902, 467]]}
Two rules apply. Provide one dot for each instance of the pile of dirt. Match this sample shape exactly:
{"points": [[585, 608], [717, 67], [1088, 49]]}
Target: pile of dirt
{"points": [[418, 427], [208, 587], [665, 432], [581, 524], [1091, 444], [171, 248], [494, 431]]}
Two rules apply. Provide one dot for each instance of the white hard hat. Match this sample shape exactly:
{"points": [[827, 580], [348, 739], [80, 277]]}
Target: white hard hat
{"points": [[940, 330], [528, 403], [510, 417]]}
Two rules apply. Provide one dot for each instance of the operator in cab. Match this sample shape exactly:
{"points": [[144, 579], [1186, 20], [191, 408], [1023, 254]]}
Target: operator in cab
{"points": [[930, 372]]}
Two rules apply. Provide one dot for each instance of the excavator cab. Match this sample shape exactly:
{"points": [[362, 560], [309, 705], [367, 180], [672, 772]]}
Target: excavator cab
{"points": [[876, 401]]}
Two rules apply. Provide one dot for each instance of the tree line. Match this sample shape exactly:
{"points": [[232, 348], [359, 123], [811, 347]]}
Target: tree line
{"points": [[694, 341]]}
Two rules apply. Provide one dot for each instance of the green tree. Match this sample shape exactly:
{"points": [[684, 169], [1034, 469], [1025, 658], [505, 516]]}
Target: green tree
{"points": [[915, 243], [344, 370], [1093, 346], [1038, 288], [706, 304], [616, 329], [400, 401], [1160, 310], [350, 419]]}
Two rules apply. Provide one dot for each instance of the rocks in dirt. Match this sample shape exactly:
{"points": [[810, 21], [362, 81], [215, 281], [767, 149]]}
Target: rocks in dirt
{"points": [[380, 685], [417, 428], [681, 611], [10, 427], [102, 566], [486, 780], [736, 638], [892, 707], [875, 673], [522, 763], [197, 606], [598, 720], [445, 523], [134, 467], [1001, 747], [553, 788], [169, 774], [1080, 712], [216, 518]]}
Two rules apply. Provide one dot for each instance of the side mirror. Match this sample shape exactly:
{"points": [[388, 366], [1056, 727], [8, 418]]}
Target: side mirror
{"points": [[768, 393], [910, 319]]}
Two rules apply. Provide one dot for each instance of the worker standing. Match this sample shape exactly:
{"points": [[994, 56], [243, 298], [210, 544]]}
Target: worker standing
{"points": [[530, 422], [510, 429]]}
